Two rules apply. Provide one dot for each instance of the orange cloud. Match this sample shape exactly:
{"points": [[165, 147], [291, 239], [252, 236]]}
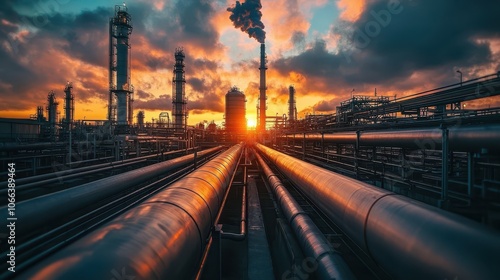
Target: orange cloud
{"points": [[351, 9]]}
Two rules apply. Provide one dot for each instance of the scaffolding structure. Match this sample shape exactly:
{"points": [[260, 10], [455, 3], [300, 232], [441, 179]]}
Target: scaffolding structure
{"points": [[347, 109]]}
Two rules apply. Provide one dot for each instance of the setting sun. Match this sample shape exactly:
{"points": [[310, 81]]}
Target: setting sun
{"points": [[251, 123]]}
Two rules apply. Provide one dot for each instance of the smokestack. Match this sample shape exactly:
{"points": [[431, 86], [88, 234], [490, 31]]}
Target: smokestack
{"points": [[247, 17], [69, 105], [292, 110], [263, 87]]}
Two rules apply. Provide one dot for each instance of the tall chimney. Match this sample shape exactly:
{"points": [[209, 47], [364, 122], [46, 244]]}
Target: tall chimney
{"points": [[263, 87], [292, 109]]}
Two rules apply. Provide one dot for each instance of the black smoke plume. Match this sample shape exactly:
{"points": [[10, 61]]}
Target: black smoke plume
{"points": [[246, 16]]}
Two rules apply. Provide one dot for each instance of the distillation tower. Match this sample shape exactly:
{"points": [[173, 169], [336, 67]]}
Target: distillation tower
{"points": [[120, 89], [179, 111], [52, 114], [69, 105], [39, 114]]}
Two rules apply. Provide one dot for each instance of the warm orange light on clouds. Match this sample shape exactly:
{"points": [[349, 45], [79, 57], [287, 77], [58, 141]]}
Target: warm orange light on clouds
{"points": [[351, 9], [310, 44]]}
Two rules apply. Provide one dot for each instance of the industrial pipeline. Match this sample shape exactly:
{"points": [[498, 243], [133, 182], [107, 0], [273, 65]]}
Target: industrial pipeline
{"points": [[314, 244], [408, 239], [460, 138], [162, 238], [42, 210]]}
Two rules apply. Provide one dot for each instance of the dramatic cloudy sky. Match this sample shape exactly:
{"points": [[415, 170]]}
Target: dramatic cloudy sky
{"points": [[324, 48]]}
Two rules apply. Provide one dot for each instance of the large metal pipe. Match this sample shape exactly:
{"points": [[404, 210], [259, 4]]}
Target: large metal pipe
{"points": [[36, 146], [314, 244], [162, 238], [45, 209], [461, 138], [408, 239]]}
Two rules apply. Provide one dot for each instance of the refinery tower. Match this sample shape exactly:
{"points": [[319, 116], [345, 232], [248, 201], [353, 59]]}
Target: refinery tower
{"points": [[121, 91], [179, 110]]}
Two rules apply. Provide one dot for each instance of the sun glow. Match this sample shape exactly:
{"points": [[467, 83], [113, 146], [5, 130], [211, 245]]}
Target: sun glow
{"points": [[251, 123]]}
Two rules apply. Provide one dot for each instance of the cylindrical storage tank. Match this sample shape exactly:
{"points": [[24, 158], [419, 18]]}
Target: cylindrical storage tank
{"points": [[235, 113]]}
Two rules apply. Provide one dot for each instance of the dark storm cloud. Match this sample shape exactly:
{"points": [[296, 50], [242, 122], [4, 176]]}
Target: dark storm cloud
{"points": [[143, 94], [391, 40], [13, 73], [196, 84], [157, 62], [203, 64], [81, 35], [422, 36], [315, 61], [298, 39], [163, 103], [208, 102], [207, 94], [194, 19], [183, 22]]}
